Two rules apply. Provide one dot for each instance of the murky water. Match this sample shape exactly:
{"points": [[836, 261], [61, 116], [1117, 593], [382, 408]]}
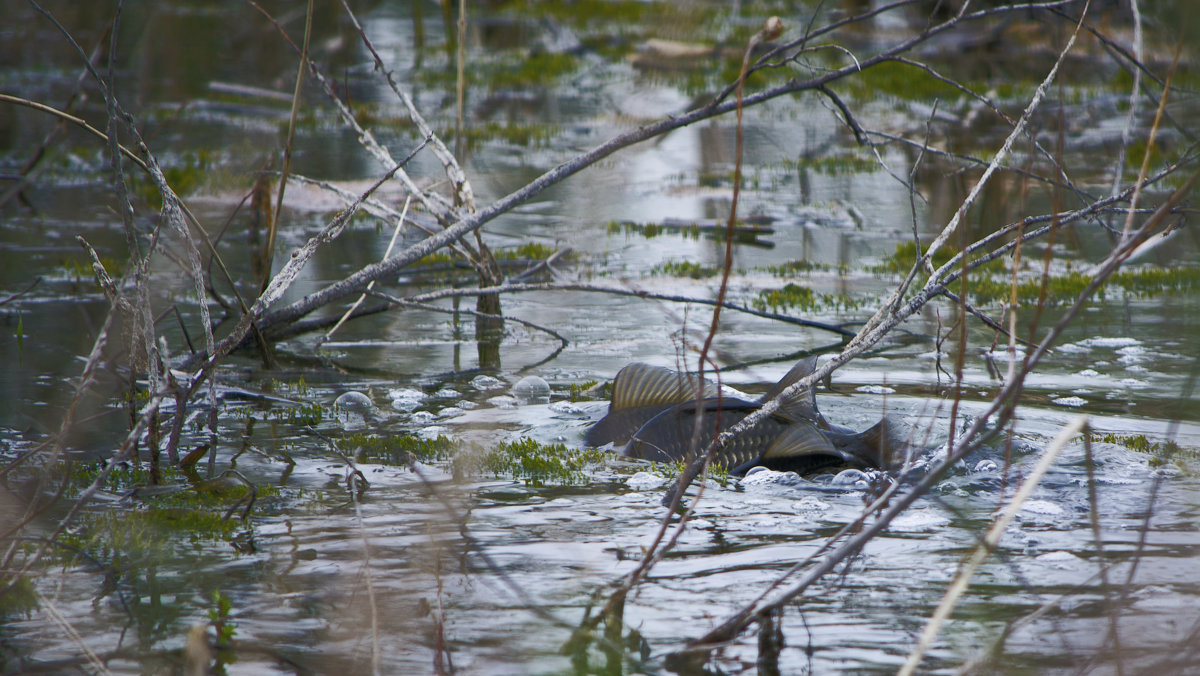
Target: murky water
{"points": [[496, 573]]}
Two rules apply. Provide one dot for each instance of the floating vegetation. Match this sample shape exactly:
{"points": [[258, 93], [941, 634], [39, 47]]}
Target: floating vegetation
{"points": [[397, 449], [77, 270], [275, 386], [536, 464], [1160, 453], [796, 297], [992, 282], [1152, 280], [673, 470], [582, 391], [844, 164], [304, 415], [745, 232], [685, 269], [527, 251], [791, 268], [532, 134], [446, 264], [19, 599], [791, 296], [905, 257], [588, 13]]}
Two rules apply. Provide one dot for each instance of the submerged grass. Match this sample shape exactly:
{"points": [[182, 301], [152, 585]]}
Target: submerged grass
{"points": [[1160, 452], [992, 282], [397, 449], [794, 297], [685, 269], [536, 464]]}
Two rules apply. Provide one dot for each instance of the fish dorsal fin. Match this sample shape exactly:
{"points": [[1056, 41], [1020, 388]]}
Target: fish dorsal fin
{"points": [[803, 405], [883, 445], [641, 384], [800, 439]]}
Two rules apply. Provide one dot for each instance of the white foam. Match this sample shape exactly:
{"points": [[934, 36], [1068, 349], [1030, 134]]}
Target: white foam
{"points": [[1074, 402], [809, 504], [645, 481], [1042, 507]]}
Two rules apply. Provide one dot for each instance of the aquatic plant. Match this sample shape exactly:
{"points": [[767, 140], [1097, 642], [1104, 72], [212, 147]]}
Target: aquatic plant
{"points": [[397, 449], [685, 269], [535, 464], [159, 365]]}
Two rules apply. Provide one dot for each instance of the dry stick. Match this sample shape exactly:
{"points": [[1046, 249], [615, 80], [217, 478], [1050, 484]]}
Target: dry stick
{"points": [[474, 313], [171, 208], [288, 274], [1002, 406], [306, 325], [889, 314], [129, 154], [480, 256], [65, 624], [386, 253], [462, 187], [357, 281], [1145, 168], [623, 291], [460, 88], [123, 453], [976, 663], [1119, 165], [78, 122], [376, 655], [273, 225], [967, 571], [944, 235], [32, 167], [433, 203], [771, 30], [1111, 605], [1083, 196], [616, 602]]}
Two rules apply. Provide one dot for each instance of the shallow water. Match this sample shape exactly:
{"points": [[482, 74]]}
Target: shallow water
{"points": [[497, 573]]}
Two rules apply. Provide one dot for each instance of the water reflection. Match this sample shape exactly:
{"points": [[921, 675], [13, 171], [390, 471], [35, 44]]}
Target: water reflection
{"points": [[493, 575]]}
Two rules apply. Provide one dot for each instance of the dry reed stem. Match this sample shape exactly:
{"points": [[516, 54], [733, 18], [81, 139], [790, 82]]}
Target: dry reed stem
{"points": [[1077, 425], [387, 252], [273, 225]]}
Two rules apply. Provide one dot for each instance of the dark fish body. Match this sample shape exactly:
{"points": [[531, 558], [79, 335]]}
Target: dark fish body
{"points": [[654, 414]]}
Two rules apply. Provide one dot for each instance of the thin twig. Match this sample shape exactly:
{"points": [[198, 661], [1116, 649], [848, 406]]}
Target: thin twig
{"points": [[991, 539]]}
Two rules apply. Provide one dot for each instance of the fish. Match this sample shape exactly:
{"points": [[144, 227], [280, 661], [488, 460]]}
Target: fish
{"points": [[653, 415]]}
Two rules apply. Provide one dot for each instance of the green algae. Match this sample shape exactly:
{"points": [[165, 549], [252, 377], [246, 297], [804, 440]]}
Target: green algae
{"points": [[304, 415], [397, 449], [582, 391], [841, 164], [992, 283], [536, 464], [1161, 452], [685, 269], [792, 268], [20, 599], [796, 297], [790, 297]]}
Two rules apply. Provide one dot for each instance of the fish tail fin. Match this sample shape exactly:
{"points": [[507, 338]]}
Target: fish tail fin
{"points": [[880, 446]]}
